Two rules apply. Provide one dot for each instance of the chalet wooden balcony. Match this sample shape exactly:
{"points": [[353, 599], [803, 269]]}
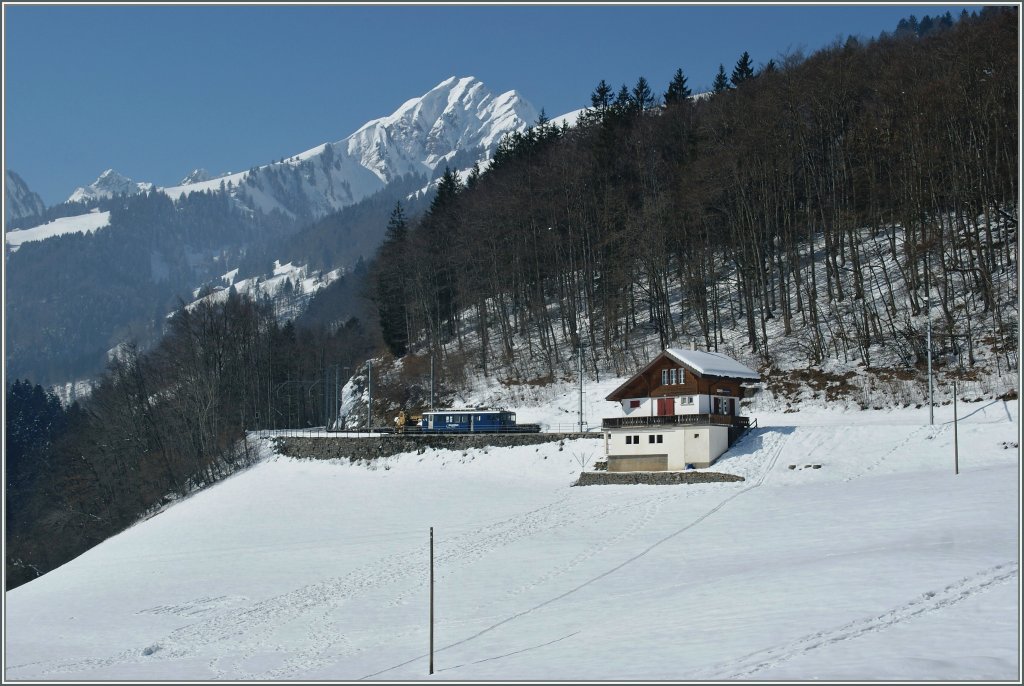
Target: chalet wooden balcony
{"points": [[735, 421]]}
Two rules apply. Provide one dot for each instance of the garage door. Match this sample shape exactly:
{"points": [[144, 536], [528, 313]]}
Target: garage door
{"points": [[637, 463]]}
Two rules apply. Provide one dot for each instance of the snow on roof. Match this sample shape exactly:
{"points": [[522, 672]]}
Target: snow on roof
{"points": [[713, 364]]}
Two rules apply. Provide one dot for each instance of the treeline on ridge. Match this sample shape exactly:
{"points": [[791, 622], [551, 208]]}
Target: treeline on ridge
{"points": [[650, 196]]}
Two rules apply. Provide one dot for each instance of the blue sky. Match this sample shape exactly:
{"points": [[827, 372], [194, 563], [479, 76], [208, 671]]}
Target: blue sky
{"points": [[157, 91]]}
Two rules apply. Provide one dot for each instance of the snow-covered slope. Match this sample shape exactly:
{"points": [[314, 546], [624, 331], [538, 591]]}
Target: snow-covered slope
{"points": [[82, 223], [879, 565], [109, 184], [19, 200], [290, 285]]}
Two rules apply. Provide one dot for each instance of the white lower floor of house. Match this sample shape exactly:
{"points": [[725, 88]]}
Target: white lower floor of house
{"points": [[666, 447]]}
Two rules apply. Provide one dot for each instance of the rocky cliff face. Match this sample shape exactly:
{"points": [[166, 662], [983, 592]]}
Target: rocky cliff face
{"points": [[20, 201]]}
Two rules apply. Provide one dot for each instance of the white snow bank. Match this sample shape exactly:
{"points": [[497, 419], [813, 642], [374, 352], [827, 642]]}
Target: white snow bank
{"points": [[82, 223]]}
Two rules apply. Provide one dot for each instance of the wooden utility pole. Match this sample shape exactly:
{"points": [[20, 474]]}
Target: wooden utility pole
{"points": [[956, 446], [431, 600], [581, 381], [928, 312], [369, 396]]}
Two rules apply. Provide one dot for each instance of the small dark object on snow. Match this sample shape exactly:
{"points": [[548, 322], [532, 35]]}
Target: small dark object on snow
{"points": [[816, 466], [792, 466]]}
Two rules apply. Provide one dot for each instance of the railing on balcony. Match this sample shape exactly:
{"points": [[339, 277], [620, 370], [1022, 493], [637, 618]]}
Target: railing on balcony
{"points": [[678, 420]]}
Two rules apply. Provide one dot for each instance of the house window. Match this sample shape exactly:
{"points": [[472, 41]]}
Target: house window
{"points": [[672, 377], [634, 403], [660, 437], [696, 435], [664, 377], [609, 437], [686, 400], [682, 378], [650, 438], [636, 440]]}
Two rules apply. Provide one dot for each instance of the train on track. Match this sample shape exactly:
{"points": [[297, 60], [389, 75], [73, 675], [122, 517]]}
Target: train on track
{"points": [[464, 421]]}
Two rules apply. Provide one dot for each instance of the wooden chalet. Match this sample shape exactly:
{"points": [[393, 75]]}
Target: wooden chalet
{"points": [[681, 410]]}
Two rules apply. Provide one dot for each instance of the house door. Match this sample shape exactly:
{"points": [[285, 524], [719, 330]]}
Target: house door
{"points": [[666, 407], [732, 406]]}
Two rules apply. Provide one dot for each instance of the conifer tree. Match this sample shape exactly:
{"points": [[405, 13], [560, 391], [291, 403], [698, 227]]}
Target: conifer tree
{"points": [[721, 83], [447, 189], [622, 101], [600, 102], [743, 71], [474, 176], [677, 91], [392, 280], [601, 98], [642, 98], [398, 228]]}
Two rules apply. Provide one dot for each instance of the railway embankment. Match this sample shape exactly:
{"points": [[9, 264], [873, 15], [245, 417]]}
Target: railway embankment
{"points": [[373, 447]]}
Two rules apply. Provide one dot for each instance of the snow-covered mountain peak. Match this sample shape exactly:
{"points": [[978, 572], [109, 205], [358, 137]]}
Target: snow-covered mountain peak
{"points": [[195, 176], [107, 185], [457, 123], [457, 115]]}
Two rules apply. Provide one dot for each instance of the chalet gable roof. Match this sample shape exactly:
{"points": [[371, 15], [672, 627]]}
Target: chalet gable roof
{"points": [[712, 364], [698, 361]]}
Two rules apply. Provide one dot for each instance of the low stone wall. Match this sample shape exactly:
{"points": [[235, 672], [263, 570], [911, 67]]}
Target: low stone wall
{"points": [[652, 478], [370, 448]]}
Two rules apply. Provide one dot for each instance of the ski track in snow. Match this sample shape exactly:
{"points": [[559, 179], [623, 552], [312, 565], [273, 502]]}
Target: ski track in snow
{"points": [[249, 634], [250, 629], [464, 550], [473, 546], [930, 601], [775, 448], [913, 435]]}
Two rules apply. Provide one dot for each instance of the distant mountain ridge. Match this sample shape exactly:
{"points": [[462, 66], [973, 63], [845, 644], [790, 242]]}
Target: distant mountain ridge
{"points": [[20, 200], [108, 185], [457, 123], [195, 176], [324, 208]]}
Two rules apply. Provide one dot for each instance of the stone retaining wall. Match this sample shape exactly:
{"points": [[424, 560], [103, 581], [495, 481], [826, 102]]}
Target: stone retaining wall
{"points": [[652, 478], [369, 448]]}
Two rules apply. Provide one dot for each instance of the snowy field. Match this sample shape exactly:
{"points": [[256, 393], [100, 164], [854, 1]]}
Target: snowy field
{"points": [[880, 565]]}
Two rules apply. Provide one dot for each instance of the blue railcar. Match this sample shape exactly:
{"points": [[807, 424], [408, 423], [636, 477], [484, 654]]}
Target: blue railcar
{"points": [[473, 421]]}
